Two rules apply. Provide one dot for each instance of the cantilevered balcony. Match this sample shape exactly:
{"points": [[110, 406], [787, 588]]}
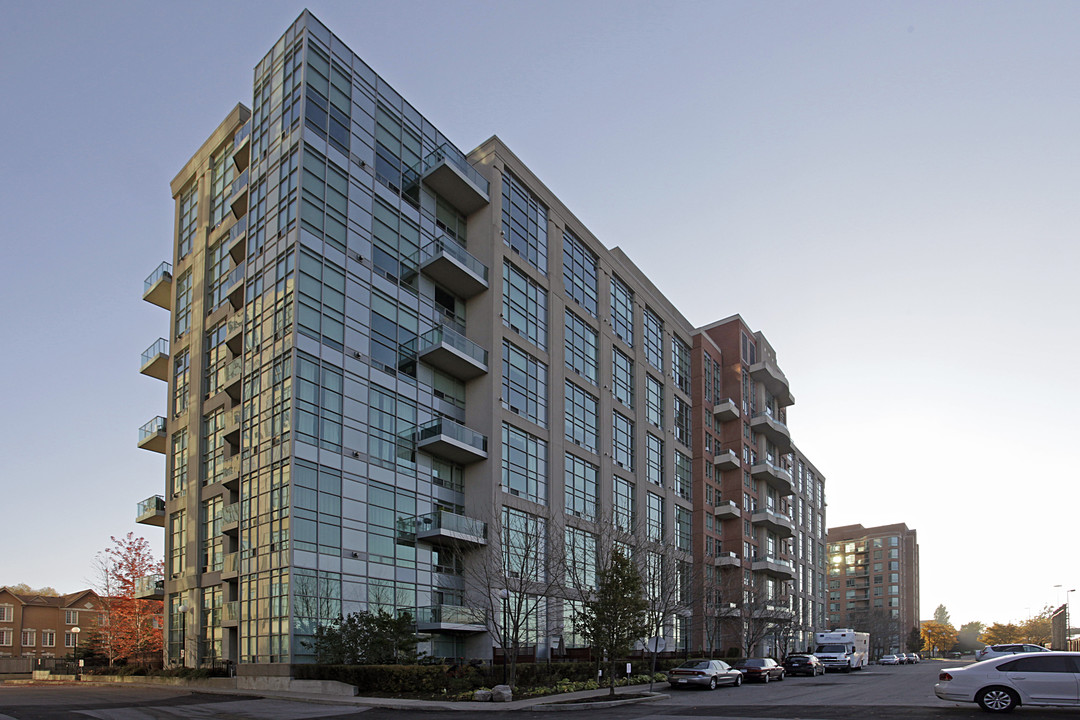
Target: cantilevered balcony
{"points": [[771, 611], [232, 375], [152, 435], [773, 429], [151, 511], [238, 197], [774, 566], [230, 519], [238, 240], [447, 263], [150, 587], [777, 477], [230, 473], [726, 460], [727, 559], [234, 287], [230, 566], [451, 352], [726, 409], [448, 173], [231, 431], [241, 153], [445, 528], [450, 618], [157, 288], [447, 439], [774, 521], [726, 509], [775, 382], [230, 614], [234, 332], [155, 360]]}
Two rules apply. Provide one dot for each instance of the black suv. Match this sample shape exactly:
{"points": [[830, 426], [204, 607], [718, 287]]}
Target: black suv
{"points": [[803, 665]]}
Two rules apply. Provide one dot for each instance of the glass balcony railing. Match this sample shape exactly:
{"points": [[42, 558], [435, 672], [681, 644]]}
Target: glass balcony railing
{"points": [[241, 135], [450, 248], [160, 347], [772, 559], [150, 505], [148, 585], [230, 611], [236, 276], [233, 371], [239, 183], [448, 153], [450, 614], [152, 428], [451, 522], [238, 229], [230, 514], [443, 335], [230, 563], [454, 431], [162, 271]]}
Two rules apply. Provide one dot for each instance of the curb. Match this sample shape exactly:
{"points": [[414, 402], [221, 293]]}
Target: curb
{"points": [[571, 705]]}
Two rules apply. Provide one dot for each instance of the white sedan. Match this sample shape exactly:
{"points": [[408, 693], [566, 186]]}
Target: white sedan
{"points": [[1002, 683]]}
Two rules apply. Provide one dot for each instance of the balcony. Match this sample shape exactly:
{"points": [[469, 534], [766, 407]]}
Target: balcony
{"points": [[241, 153], [451, 352], [728, 610], [238, 240], [447, 439], [448, 173], [230, 519], [445, 528], [230, 473], [155, 360], [150, 587], [230, 614], [230, 566], [151, 511], [774, 566], [773, 429], [447, 263], [726, 409], [230, 381], [775, 382], [157, 288], [777, 477], [231, 431], [238, 197], [152, 435], [774, 521], [234, 332], [450, 618], [774, 612], [727, 559], [234, 285], [727, 509], [726, 460]]}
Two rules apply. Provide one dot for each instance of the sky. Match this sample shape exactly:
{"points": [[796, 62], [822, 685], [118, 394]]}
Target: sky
{"points": [[887, 190]]}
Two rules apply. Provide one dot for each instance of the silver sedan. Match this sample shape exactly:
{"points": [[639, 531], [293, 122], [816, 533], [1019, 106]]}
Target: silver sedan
{"points": [[704, 673]]}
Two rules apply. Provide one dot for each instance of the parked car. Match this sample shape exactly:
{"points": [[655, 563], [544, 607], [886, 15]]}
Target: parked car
{"points": [[910, 658], [803, 664], [889, 660], [993, 651], [1000, 684], [916, 657], [763, 669], [704, 673]]}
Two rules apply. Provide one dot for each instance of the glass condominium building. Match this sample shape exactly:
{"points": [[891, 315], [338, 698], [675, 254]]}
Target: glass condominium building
{"points": [[406, 377]]}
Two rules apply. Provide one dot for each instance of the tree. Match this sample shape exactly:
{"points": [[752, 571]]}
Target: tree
{"points": [[884, 630], [367, 638], [24, 589], [129, 628], [941, 616], [938, 637], [1037, 629], [1002, 633], [915, 640], [613, 618], [968, 636]]}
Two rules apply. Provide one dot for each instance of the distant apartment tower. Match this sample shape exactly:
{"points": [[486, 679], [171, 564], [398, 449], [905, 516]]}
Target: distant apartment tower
{"points": [[874, 582], [390, 361]]}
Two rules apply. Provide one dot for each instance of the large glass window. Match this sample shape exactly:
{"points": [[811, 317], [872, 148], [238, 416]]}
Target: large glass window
{"points": [[581, 487], [684, 480], [179, 462], [177, 542], [581, 417], [524, 384], [654, 517], [653, 339], [182, 313], [580, 558], [680, 364], [683, 528], [524, 464], [392, 327], [181, 380], [524, 306], [622, 378], [321, 302], [396, 245], [391, 420], [654, 459], [524, 222], [682, 421], [623, 441], [524, 538], [213, 446], [654, 401], [623, 504], [210, 537], [622, 310], [216, 358], [579, 272], [217, 274], [186, 223], [221, 179], [582, 355]]}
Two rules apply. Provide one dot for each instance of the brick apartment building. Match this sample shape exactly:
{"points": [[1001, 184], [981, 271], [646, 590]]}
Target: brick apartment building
{"points": [[43, 626]]}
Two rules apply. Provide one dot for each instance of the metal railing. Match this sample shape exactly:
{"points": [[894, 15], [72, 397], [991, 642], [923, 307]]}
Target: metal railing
{"points": [[448, 336], [772, 559], [456, 614], [451, 154], [162, 270], [160, 347], [452, 522], [456, 431], [152, 504], [448, 247], [152, 428]]}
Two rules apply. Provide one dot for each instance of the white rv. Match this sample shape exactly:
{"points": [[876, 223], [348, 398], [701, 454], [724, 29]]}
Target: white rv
{"points": [[842, 649]]}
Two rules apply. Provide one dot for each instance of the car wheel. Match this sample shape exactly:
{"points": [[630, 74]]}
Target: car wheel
{"points": [[781, 675], [738, 681], [765, 678], [997, 699], [712, 683]]}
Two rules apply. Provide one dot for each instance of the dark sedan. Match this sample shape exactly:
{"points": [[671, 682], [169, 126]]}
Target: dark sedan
{"points": [[704, 673], [803, 665], [763, 669]]}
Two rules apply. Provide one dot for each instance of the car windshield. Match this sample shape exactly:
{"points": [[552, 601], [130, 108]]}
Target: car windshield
{"points": [[831, 648], [695, 665]]}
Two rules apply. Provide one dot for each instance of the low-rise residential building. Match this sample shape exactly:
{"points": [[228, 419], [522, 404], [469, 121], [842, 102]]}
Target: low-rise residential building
{"points": [[45, 626]]}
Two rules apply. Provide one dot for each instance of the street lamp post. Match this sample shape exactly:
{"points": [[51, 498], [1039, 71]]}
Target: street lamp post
{"points": [[75, 631]]}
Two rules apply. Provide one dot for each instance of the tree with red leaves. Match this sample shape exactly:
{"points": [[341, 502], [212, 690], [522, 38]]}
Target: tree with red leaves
{"points": [[130, 627]]}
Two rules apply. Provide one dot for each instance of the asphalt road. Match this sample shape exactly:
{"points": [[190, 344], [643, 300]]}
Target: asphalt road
{"points": [[877, 693]]}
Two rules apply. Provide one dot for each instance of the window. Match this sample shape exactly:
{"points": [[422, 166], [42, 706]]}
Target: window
{"points": [[579, 272], [624, 504], [683, 476], [179, 462], [182, 313], [181, 378], [211, 539], [71, 617], [29, 638], [581, 487], [524, 222], [177, 545], [524, 306], [622, 378], [683, 528], [581, 417], [680, 364], [580, 558], [653, 339], [217, 274], [581, 347], [185, 229], [524, 384], [524, 464], [654, 401], [392, 327], [7, 613], [214, 447], [623, 441], [5, 637], [654, 517], [321, 305], [221, 179], [69, 639], [654, 459], [218, 368], [48, 638], [622, 310], [524, 538], [682, 421]]}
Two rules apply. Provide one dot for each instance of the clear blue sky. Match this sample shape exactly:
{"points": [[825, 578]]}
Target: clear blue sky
{"points": [[888, 190]]}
